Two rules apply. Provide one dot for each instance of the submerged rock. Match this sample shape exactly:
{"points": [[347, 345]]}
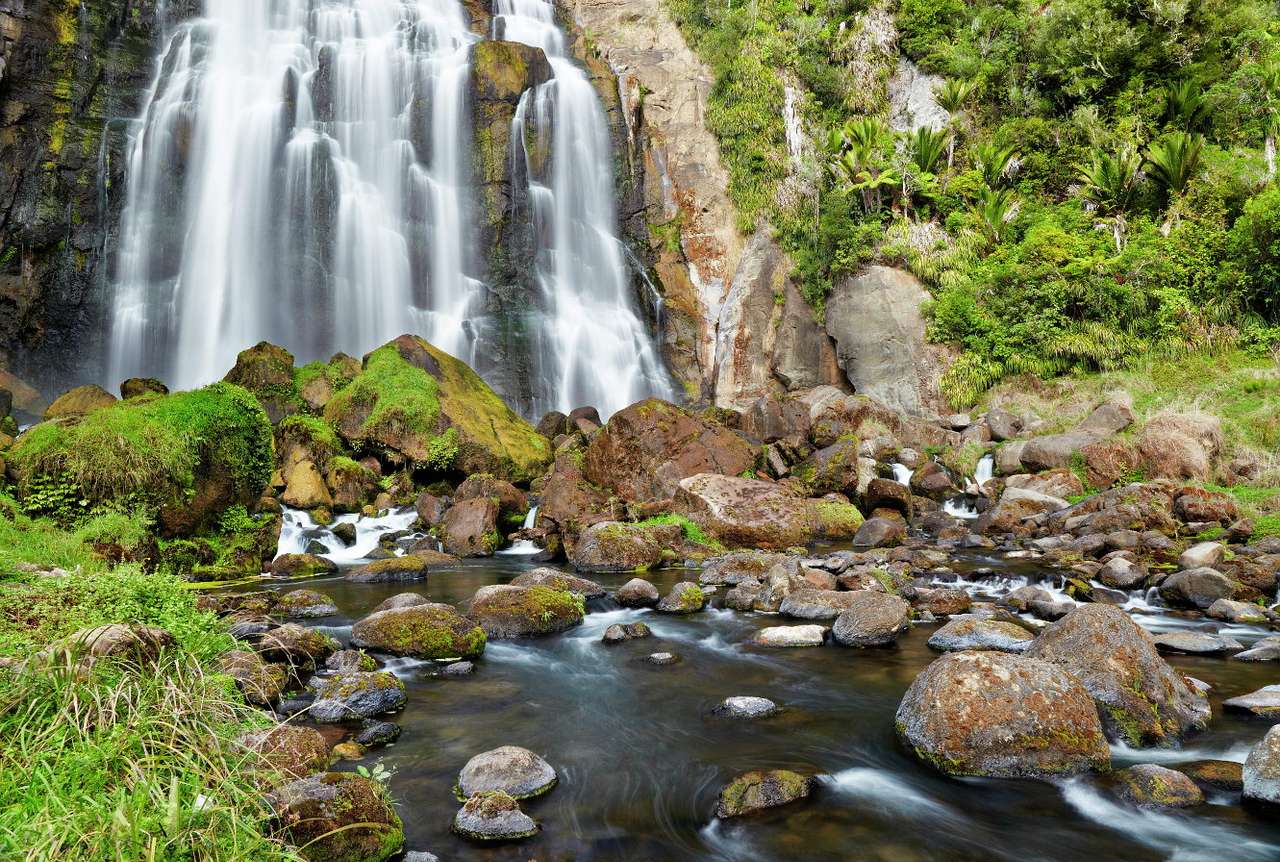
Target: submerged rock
{"points": [[976, 634], [1001, 715], [618, 633], [373, 732], [662, 659], [494, 815], [510, 769], [760, 790], [1142, 699], [872, 619], [1261, 775], [508, 611], [431, 631], [352, 695], [746, 706], [1149, 785], [338, 817]]}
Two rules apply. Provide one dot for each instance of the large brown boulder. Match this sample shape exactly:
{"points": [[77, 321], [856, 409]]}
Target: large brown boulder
{"points": [[430, 631], [616, 547], [1001, 715], [832, 469], [79, 401], [338, 817], [511, 500], [266, 370], [1180, 445], [745, 512], [570, 503], [508, 611], [470, 528], [305, 487], [1140, 698], [648, 448]]}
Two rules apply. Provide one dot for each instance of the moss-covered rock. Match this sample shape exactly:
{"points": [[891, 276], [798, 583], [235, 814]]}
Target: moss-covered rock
{"points": [[298, 645], [79, 401], [266, 370], [305, 488], [685, 597], [301, 565], [493, 815], [352, 695], [1149, 785], [420, 404], [835, 519], [431, 631], [760, 790], [351, 484], [612, 546], [338, 817], [470, 528], [306, 604], [285, 752], [190, 454], [260, 683], [410, 567], [508, 611]]}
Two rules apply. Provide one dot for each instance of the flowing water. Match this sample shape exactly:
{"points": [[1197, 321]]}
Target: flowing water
{"points": [[302, 173], [641, 758]]}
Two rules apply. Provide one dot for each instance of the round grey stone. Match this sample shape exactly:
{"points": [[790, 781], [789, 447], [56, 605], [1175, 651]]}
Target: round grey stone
{"points": [[513, 770]]}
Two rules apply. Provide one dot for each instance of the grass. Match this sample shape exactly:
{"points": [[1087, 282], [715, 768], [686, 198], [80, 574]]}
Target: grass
{"points": [[692, 532], [1260, 504]]}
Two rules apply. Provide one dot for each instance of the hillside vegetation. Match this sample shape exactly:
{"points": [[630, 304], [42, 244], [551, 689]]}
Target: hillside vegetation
{"points": [[1102, 192]]}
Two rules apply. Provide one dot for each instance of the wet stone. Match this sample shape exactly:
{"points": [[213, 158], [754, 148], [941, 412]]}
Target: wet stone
{"points": [[617, 633], [746, 707], [510, 769], [493, 816], [458, 668], [662, 659]]}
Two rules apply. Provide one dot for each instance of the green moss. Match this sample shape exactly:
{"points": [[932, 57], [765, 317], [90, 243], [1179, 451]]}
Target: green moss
{"points": [[836, 518], [692, 531]]}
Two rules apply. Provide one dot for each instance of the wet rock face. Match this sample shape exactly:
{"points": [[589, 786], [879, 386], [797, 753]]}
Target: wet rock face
{"points": [[999, 715], [1141, 699], [339, 817]]}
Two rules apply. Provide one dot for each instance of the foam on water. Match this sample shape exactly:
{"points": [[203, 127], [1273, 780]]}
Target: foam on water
{"points": [[299, 529]]}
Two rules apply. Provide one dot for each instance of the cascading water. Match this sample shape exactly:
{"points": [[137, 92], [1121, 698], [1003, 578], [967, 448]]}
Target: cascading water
{"points": [[302, 174]]}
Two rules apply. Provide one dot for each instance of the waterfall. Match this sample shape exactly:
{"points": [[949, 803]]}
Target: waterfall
{"points": [[302, 173]]}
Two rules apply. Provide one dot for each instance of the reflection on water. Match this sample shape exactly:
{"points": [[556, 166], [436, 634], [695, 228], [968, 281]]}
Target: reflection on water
{"points": [[641, 758]]}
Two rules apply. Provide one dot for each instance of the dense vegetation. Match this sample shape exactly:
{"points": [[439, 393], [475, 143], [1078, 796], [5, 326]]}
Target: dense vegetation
{"points": [[1102, 191]]}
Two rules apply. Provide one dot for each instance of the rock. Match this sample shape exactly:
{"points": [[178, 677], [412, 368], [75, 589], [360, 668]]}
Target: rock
{"points": [[876, 322], [349, 660], [662, 659], [353, 695], [760, 790], [286, 750], [1202, 554], [509, 769], [511, 500], [1196, 505], [259, 682], [1217, 774], [338, 817], [131, 644], [349, 750], [1149, 785], [685, 597], [430, 508], [493, 816], [1267, 649], [298, 645], [79, 402], [584, 419], [1142, 699], [1021, 598], [1054, 451], [401, 600], [790, 636], [137, 387], [745, 512], [1196, 643], [458, 668], [552, 424], [611, 546], [817, 604], [307, 604], [831, 469], [1265, 702], [305, 487], [888, 494], [1002, 424], [1107, 418], [1009, 458], [944, 601], [647, 449], [419, 402], [872, 619], [733, 568], [1197, 588], [932, 480], [618, 633], [1180, 446], [975, 634], [508, 611], [1000, 715], [637, 593], [302, 565], [1059, 484], [430, 631], [1261, 775], [746, 707], [880, 532], [470, 528], [557, 580], [392, 570], [1122, 573]]}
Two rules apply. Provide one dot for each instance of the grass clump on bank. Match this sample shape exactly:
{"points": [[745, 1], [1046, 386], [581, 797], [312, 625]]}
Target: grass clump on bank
{"points": [[692, 532]]}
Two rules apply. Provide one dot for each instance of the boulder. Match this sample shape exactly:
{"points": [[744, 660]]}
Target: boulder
{"points": [[305, 487], [133, 644], [511, 500], [1107, 462], [266, 370], [1197, 505], [746, 707], [932, 480], [1149, 785], [1000, 715], [510, 769], [872, 619], [888, 494], [137, 387], [1180, 446], [1231, 611], [1197, 588], [1215, 774], [286, 750], [1267, 649], [1002, 424], [969, 633], [825, 605], [637, 593], [618, 633], [685, 597], [1265, 702], [78, 402], [260, 683], [297, 645], [612, 546], [349, 660], [1202, 554], [430, 631], [760, 790], [493, 816], [558, 580], [831, 469], [302, 565], [552, 424], [790, 636], [647, 449], [1059, 484], [376, 733], [879, 532], [306, 604], [470, 528], [1141, 699], [508, 611], [425, 406], [1122, 573], [745, 512], [946, 601], [731, 569], [1261, 775], [430, 508], [353, 695], [1107, 418], [392, 570], [338, 817], [1195, 643], [1054, 451]]}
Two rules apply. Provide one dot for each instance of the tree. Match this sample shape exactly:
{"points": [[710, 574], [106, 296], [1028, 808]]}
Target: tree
{"points": [[926, 148], [1172, 162], [1185, 105], [996, 162], [861, 164], [995, 210], [952, 97], [1110, 185]]}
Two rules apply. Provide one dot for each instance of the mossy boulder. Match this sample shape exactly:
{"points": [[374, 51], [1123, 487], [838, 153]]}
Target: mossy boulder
{"points": [[352, 695], [511, 500], [493, 815], [1149, 785], [302, 565], [351, 484], [508, 768], [557, 580], [611, 546], [285, 751], [745, 512], [307, 604], [139, 387], [418, 403], [317, 382], [338, 817], [1000, 715], [430, 631], [260, 683], [266, 370], [79, 401], [835, 519], [760, 790], [508, 611], [1143, 701], [410, 567], [191, 455], [685, 597], [470, 528], [305, 487], [296, 644]]}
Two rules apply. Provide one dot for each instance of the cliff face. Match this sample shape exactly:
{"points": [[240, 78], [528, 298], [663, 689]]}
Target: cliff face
{"points": [[71, 74]]}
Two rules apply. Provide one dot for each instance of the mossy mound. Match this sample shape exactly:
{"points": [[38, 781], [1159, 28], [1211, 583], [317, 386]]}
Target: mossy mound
{"points": [[201, 451], [414, 401], [760, 790], [430, 631], [286, 751], [507, 611], [338, 817], [835, 519], [1149, 785], [266, 370]]}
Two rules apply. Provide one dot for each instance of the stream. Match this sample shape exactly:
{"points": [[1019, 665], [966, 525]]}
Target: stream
{"points": [[641, 759]]}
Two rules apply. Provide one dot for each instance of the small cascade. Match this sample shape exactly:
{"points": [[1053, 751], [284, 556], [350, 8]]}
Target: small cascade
{"points": [[524, 547], [964, 505], [960, 507], [902, 473], [985, 470], [299, 530]]}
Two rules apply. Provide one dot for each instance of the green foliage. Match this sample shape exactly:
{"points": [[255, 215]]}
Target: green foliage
{"points": [[692, 532], [1172, 161]]}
